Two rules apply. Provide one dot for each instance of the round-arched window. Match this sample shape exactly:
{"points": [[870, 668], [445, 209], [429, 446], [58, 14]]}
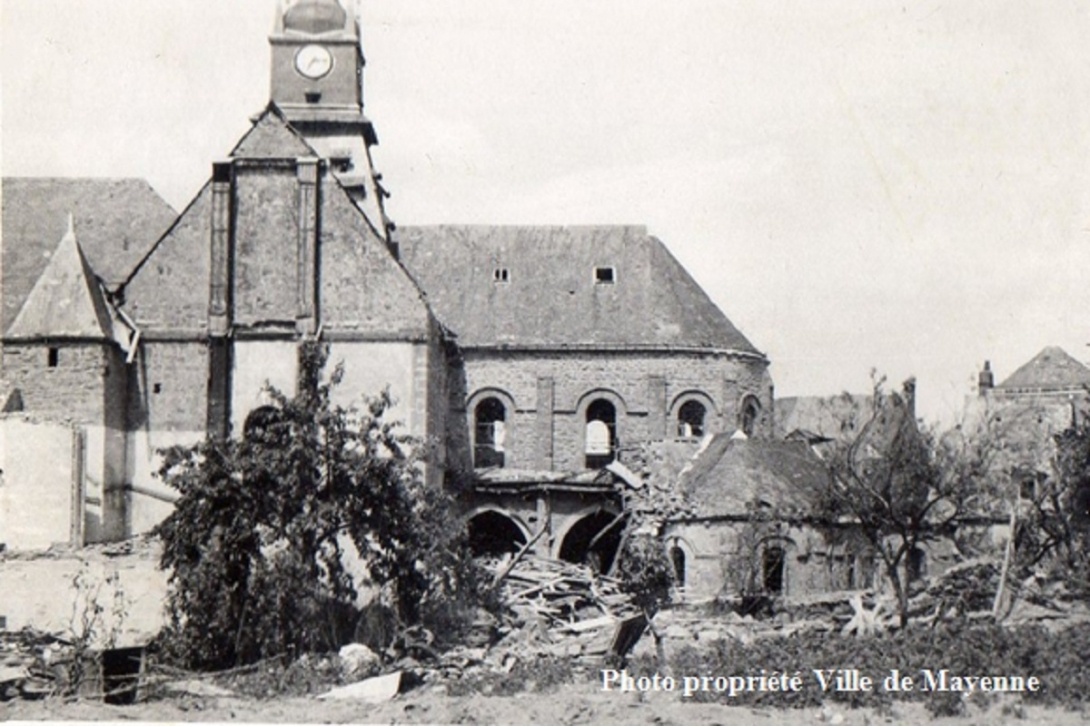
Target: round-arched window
{"points": [[489, 433], [751, 414], [690, 419], [600, 435]]}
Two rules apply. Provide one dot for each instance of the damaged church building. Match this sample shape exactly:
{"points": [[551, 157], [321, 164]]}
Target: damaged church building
{"points": [[533, 358]]}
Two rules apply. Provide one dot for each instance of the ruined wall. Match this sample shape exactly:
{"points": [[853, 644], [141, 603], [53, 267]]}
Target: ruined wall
{"points": [[87, 385], [651, 386], [39, 484], [559, 511], [255, 364]]}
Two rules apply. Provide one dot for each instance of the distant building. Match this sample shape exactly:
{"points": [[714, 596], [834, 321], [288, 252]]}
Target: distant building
{"points": [[1023, 413]]}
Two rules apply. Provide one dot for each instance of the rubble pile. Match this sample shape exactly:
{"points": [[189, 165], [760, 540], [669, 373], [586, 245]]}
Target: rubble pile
{"points": [[552, 609], [33, 664]]}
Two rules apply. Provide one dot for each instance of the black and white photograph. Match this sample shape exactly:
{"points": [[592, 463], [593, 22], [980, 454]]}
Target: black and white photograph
{"points": [[526, 362]]}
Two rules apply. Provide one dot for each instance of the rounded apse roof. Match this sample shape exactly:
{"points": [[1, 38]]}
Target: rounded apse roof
{"points": [[315, 16]]}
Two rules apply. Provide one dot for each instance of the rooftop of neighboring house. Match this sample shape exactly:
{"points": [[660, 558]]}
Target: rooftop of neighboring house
{"points": [[564, 287], [732, 476], [1053, 369], [116, 221]]}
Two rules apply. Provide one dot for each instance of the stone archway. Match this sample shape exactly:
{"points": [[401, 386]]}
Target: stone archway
{"points": [[492, 532], [589, 542]]}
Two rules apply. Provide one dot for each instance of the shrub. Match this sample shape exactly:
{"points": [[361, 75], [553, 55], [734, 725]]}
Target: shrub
{"points": [[260, 536]]}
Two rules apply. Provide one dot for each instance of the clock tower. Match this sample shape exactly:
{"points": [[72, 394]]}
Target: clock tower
{"points": [[317, 82]]}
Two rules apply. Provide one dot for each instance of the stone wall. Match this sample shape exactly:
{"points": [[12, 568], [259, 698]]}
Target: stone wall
{"points": [[646, 387], [75, 389], [720, 553]]}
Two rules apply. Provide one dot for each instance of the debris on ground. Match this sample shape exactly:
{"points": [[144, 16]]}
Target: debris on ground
{"points": [[372, 691], [33, 664]]}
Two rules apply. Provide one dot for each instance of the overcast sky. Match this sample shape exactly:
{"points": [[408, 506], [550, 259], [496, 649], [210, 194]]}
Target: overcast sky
{"points": [[891, 185]]}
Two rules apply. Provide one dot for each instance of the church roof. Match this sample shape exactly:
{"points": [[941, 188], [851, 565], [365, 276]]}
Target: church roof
{"points": [[732, 476], [1052, 368], [563, 287], [118, 221], [66, 301]]}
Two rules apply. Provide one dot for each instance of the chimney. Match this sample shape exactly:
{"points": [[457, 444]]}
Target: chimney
{"points": [[986, 379], [909, 388]]}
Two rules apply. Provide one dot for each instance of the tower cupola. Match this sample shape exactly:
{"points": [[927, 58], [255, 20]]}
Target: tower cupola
{"points": [[315, 16]]}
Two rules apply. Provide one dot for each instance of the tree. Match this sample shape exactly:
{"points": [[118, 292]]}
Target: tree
{"points": [[266, 528], [1055, 530], [902, 486]]}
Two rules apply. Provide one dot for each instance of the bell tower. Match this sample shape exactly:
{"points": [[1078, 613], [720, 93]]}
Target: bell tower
{"points": [[317, 82]]}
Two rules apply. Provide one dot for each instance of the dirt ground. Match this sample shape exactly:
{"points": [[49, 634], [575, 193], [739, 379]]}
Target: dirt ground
{"points": [[578, 704]]}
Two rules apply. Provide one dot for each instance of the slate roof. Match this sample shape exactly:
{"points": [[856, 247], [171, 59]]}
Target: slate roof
{"points": [[1052, 368], [551, 298], [67, 301], [272, 137], [117, 220], [731, 475]]}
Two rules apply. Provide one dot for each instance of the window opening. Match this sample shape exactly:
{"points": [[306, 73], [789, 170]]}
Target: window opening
{"points": [[157, 388], [604, 275], [751, 412], [53, 357], [601, 434], [490, 432], [773, 562], [501, 275], [690, 419], [677, 559], [1028, 488], [917, 564]]}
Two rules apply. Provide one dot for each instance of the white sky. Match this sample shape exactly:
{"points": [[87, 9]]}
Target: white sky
{"points": [[896, 185]]}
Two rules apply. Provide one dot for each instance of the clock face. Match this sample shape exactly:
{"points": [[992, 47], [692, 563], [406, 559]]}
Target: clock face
{"points": [[313, 61]]}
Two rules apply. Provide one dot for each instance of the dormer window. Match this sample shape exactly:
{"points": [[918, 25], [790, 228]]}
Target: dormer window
{"points": [[605, 275], [501, 275]]}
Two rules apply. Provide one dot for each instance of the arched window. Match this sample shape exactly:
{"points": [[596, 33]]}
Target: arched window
{"points": [[489, 432], [260, 420], [601, 434], [751, 414], [773, 562], [690, 419], [677, 559]]}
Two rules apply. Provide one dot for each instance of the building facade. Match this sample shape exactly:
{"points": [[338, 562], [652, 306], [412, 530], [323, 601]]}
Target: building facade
{"points": [[530, 356]]}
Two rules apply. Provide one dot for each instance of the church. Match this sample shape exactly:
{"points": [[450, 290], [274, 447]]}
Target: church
{"points": [[531, 358]]}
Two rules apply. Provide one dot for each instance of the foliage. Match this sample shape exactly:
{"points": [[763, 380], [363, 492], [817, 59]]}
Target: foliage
{"points": [[273, 531], [901, 485], [1055, 531], [99, 610], [1057, 659], [645, 571]]}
